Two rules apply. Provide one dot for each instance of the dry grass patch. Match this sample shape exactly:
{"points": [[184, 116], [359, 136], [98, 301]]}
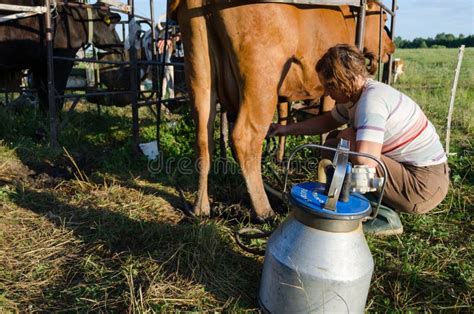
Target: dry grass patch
{"points": [[79, 245], [34, 254]]}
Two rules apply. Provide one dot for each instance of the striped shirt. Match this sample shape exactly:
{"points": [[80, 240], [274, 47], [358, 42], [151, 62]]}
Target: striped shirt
{"points": [[386, 116]]}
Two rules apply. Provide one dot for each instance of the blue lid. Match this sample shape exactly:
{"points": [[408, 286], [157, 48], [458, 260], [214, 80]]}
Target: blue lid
{"points": [[310, 196]]}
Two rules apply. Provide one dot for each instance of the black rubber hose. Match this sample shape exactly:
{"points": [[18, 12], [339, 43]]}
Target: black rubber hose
{"points": [[251, 233]]}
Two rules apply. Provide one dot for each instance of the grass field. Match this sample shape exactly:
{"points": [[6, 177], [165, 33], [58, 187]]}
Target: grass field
{"points": [[91, 229]]}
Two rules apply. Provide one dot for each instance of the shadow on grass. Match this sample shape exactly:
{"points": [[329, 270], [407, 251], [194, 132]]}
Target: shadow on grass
{"points": [[198, 253], [102, 144], [227, 192], [97, 142]]}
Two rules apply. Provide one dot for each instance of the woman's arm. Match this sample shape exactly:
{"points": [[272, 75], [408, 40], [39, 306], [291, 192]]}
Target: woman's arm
{"points": [[372, 148], [314, 126], [367, 147]]}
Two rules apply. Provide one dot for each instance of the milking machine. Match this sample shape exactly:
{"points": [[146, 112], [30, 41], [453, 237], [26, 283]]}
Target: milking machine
{"points": [[318, 260]]}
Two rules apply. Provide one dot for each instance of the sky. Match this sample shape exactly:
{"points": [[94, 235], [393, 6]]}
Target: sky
{"points": [[415, 18], [426, 18]]}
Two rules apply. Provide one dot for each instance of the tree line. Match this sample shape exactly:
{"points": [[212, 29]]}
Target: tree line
{"points": [[442, 40]]}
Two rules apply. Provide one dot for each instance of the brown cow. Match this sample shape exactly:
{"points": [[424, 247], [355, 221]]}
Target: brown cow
{"points": [[398, 67], [249, 55]]}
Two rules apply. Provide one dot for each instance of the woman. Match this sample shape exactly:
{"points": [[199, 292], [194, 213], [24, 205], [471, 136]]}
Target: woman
{"points": [[382, 122]]}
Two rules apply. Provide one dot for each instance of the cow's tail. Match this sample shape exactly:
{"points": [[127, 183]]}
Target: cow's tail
{"points": [[373, 64]]}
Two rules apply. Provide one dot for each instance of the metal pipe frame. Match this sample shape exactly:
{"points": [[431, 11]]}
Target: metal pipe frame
{"points": [[385, 8], [23, 8], [99, 93], [387, 75], [53, 120], [381, 30], [156, 86], [86, 60], [360, 27], [105, 92], [26, 90], [161, 64], [133, 83], [107, 5], [140, 102], [119, 63], [161, 77]]}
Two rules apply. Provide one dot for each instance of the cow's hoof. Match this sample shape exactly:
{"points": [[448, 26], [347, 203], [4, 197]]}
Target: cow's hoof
{"points": [[262, 219], [202, 211]]}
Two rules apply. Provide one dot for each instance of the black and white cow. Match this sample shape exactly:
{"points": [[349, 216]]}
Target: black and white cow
{"points": [[23, 41]]}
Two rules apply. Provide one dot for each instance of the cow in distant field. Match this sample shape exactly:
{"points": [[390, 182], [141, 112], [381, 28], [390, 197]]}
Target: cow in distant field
{"points": [[250, 55], [397, 68], [23, 41]]}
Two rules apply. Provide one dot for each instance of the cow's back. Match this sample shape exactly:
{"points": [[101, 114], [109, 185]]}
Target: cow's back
{"points": [[266, 39]]}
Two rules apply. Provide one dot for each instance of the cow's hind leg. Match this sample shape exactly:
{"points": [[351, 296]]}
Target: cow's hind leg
{"points": [[199, 78], [252, 124], [204, 118]]}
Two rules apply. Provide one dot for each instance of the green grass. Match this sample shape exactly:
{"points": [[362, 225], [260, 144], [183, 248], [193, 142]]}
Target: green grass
{"points": [[429, 80], [108, 235]]}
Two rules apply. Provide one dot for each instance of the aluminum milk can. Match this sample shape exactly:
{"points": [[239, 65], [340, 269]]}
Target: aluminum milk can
{"points": [[318, 261]]}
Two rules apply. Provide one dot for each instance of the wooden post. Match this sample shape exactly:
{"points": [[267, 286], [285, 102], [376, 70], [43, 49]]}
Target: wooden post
{"points": [[453, 95]]}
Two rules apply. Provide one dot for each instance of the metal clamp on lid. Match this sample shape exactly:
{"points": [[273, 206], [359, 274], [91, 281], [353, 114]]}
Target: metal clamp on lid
{"points": [[364, 179], [340, 163], [346, 178]]}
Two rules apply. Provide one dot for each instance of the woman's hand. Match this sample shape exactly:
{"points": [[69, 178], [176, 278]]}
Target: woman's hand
{"points": [[313, 126], [276, 129]]}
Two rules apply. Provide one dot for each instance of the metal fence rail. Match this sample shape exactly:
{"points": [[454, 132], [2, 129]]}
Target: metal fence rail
{"points": [[157, 66]]}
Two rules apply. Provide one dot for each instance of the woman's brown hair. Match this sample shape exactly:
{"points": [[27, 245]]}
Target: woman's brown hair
{"points": [[341, 65]]}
